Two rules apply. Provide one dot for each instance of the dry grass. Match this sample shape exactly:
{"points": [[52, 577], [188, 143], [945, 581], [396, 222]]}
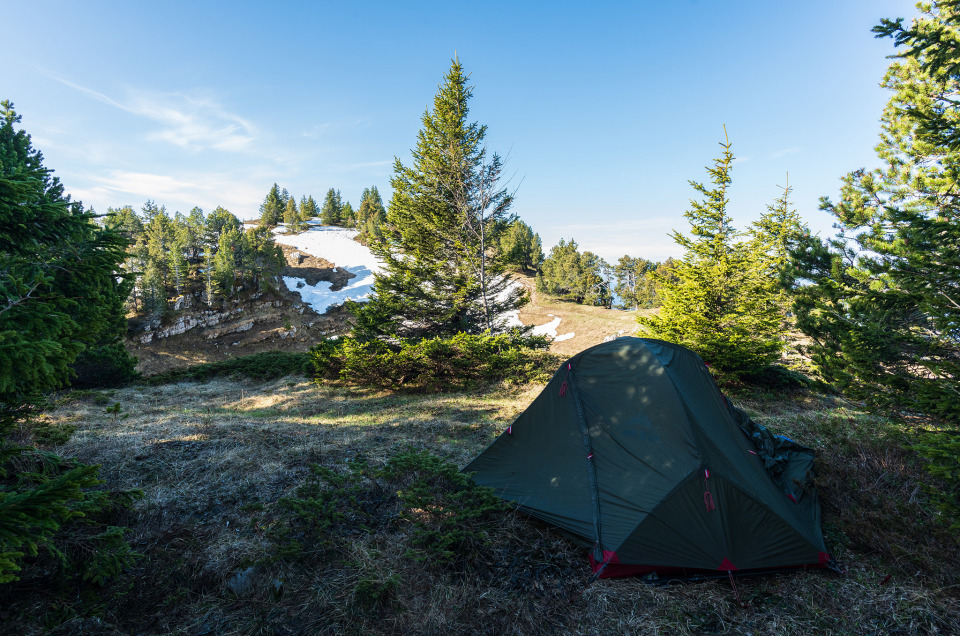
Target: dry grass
{"points": [[214, 459], [590, 324]]}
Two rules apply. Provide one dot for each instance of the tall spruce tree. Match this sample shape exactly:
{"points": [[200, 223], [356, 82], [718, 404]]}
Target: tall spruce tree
{"points": [[881, 300], [262, 259], [348, 218], [773, 236], [440, 275], [718, 303], [61, 288]]}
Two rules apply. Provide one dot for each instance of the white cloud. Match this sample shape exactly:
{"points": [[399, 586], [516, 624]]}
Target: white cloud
{"points": [[192, 122], [176, 192], [647, 237]]}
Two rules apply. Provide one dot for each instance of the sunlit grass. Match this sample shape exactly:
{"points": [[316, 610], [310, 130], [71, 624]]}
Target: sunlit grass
{"points": [[214, 458]]}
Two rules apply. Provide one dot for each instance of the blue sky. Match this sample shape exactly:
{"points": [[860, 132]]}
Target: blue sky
{"points": [[603, 111]]}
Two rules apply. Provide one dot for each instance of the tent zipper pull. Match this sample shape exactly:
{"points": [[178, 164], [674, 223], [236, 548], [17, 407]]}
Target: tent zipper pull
{"points": [[707, 497], [563, 387]]}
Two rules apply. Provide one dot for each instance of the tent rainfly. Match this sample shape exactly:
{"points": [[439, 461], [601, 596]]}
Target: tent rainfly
{"points": [[633, 451]]}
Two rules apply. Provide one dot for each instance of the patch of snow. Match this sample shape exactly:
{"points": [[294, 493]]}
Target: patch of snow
{"points": [[549, 329], [512, 319], [336, 245]]}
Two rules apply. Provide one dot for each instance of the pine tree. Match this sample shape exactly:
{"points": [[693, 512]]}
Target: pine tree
{"points": [[164, 261], [308, 208], [262, 258], [881, 300], [290, 213], [568, 274], [347, 216], [774, 235], [371, 214], [332, 208], [190, 233], [632, 281], [440, 274], [271, 211], [126, 222], [520, 248], [718, 305], [61, 287], [227, 261], [219, 221]]}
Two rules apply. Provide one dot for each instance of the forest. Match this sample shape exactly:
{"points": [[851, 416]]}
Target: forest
{"points": [[859, 333]]}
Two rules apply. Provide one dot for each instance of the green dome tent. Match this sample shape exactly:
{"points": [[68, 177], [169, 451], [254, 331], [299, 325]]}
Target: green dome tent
{"points": [[633, 451]]}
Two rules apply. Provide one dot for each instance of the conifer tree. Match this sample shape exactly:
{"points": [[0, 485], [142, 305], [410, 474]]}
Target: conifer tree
{"points": [[227, 261], [371, 214], [440, 276], [263, 258], [347, 216], [718, 305], [308, 208], [126, 222], [777, 232], [881, 300], [190, 233], [165, 263], [61, 286], [209, 284], [290, 213], [330, 214], [520, 247], [271, 211], [632, 286], [219, 221], [568, 274]]}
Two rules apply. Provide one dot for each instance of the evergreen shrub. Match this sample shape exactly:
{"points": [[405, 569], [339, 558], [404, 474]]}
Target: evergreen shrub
{"points": [[104, 367], [55, 519], [434, 364], [269, 365], [452, 519], [941, 450]]}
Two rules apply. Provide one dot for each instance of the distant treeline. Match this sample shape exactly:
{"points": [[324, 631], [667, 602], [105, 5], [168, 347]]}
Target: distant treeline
{"points": [[587, 279], [172, 256], [280, 207]]}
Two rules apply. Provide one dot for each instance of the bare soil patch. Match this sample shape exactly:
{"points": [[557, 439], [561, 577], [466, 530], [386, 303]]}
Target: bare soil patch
{"points": [[314, 269]]}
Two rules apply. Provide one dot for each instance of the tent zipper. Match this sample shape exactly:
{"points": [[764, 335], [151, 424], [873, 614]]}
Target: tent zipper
{"points": [[591, 466]]}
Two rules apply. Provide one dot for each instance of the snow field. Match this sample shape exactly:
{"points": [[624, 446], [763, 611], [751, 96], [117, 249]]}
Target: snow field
{"points": [[336, 245]]}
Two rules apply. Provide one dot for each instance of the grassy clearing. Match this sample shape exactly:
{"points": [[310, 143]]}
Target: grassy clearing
{"points": [[216, 460], [591, 325]]}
